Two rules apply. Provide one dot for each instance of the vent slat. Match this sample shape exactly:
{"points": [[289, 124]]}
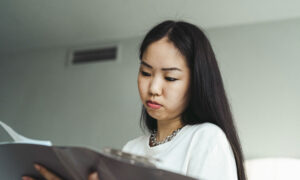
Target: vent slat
{"points": [[94, 55]]}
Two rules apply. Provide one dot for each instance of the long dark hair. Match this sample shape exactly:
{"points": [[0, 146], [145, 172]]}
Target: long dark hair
{"points": [[208, 102]]}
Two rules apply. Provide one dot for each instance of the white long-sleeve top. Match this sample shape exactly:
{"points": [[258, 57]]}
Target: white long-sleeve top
{"points": [[201, 151]]}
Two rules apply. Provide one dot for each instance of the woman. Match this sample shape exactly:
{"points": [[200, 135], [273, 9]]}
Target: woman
{"points": [[185, 108]]}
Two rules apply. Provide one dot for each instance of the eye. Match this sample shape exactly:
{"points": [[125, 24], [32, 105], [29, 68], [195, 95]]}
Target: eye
{"points": [[170, 79], [145, 73]]}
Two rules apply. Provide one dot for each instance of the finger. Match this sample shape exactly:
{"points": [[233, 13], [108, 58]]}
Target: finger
{"points": [[93, 176], [27, 178], [47, 174]]}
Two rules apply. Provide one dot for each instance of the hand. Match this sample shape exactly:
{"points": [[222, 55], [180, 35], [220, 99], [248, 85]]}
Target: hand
{"points": [[50, 176]]}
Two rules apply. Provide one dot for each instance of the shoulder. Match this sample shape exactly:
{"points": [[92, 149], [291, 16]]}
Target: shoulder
{"points": [[135, 143], [207, 136], [211, 150], [207, 131], [206, 126]]}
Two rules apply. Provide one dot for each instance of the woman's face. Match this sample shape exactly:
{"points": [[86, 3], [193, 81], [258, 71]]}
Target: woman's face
{"points": [[163, 81]]}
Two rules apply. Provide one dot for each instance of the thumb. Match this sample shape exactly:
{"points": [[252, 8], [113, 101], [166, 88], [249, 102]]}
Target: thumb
{"points": [[93, 176]]}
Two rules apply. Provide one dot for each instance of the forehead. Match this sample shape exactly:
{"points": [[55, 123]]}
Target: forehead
{"points": [[163, 53]]}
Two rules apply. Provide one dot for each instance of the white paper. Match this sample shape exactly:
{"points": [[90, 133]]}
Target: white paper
{"points": [[21, 139]]}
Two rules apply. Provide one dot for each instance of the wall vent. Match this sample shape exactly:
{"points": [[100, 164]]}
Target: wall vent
{"points": [[94, 55]]}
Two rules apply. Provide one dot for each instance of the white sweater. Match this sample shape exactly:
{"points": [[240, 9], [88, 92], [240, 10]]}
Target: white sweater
{"points": [[201, 151]]}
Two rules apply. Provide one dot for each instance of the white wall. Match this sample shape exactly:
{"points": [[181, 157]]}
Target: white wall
{"points": [[97, 105], [94, 104], [260, 64]]}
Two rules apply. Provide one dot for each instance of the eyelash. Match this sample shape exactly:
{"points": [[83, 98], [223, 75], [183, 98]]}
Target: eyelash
{"points": [[167, 78]]}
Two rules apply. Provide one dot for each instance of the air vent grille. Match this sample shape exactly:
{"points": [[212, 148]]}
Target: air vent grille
{"points": [[94, 55]]}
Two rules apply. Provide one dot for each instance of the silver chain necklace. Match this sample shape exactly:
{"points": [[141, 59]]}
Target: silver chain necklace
{"points": [[154, 142]]}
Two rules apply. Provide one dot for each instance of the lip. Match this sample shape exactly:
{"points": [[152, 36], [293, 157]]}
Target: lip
{"points": [[153, 104]]}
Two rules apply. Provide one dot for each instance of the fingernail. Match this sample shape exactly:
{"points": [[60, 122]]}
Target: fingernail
{"points": [[37, 167]]}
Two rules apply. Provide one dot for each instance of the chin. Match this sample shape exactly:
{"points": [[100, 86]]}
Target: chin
{"points": [[152, 113], [156, 115]]}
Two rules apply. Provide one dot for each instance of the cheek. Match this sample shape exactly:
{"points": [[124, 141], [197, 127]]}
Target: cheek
{"points": [[142, 86], [178, 95]]}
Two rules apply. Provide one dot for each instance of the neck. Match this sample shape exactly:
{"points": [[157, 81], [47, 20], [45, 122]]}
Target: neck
{"points": [[165, 128]]}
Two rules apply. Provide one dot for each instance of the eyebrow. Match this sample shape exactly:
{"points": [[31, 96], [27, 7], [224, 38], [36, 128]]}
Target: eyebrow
{"points": [[164, 69]]}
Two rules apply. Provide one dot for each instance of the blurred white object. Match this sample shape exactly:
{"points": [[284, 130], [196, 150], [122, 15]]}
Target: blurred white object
{"points": [[273, 169], [21, 139]]}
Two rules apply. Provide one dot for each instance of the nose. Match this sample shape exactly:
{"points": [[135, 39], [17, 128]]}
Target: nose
{"points": [[155, 88]]}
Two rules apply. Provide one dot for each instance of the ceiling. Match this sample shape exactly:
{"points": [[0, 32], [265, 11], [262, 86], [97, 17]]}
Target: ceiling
{"points": [[35, 24]]}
